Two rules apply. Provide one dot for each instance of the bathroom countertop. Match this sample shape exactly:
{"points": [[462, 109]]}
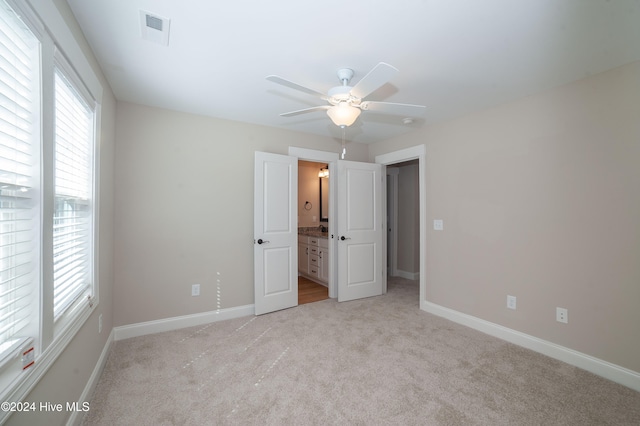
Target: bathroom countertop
{"points": [[316, 234]]}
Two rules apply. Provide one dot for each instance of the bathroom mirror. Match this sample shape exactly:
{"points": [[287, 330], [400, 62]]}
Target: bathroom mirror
{"points": [[324, 199]]}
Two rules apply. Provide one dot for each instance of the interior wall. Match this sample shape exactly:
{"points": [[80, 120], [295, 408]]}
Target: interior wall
{"points": [[540, 200], [309, 190], [408, 219], [184, 209], [66, 379]]}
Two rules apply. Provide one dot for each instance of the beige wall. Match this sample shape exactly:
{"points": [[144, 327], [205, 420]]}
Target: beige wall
{"points": [[66, 379], [541, 200], [184, 210], [309, 190], [408, 219]]}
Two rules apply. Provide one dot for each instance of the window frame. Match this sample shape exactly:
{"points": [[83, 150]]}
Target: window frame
{"points": [[62, 66], [54, 336], [7, 355]]}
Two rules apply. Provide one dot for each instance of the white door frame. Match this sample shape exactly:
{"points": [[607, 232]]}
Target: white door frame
{"points": [[331, 158], [417, 152]]}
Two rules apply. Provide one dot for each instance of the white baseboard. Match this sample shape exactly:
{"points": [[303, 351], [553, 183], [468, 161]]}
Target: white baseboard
{"points": [[407, 275], [77, 416], [175, 323], [597, 366]]}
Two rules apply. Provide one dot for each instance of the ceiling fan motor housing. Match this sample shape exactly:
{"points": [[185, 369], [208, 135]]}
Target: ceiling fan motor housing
{"points": [[342, 93], [339, 94]]}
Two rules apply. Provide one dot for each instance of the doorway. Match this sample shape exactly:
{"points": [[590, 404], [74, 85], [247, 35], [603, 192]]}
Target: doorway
{"points": [[313, 231], [403, 224], [330, 160], [416, 153]]}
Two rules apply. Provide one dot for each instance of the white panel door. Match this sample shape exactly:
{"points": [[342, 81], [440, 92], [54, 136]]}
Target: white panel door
{"points": [[275, 230], [360, 230]]}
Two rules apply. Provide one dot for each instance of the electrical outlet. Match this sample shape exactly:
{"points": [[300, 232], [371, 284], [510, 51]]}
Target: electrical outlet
{"points": [[195, 290], [100, 323], [562, 315], [511, 302], [438, 224]]}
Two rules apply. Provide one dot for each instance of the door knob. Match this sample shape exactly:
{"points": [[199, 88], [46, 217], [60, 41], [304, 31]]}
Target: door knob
{"points": [[261, 241], [344, 238]]}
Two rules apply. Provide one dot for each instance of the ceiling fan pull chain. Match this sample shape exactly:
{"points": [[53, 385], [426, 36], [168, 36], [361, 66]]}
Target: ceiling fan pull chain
{"points": [[344, 149]]}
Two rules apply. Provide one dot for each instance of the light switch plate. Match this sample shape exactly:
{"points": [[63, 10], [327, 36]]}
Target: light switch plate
{"points": [[438, 224]]}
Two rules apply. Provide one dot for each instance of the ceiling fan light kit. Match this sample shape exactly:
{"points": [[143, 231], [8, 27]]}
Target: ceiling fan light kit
{"points": [[343, 114], [346, 101]]}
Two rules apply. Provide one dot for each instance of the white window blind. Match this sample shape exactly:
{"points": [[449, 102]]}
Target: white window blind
{"points": [[19, 178], [73, 210]]}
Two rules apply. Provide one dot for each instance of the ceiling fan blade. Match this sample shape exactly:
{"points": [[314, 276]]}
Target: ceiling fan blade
{"points": [[376, 78], [296, 86], [407, 110], [304, 111]]}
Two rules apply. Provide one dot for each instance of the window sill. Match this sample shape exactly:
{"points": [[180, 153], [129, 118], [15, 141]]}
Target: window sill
{"points": [[24, 381]]}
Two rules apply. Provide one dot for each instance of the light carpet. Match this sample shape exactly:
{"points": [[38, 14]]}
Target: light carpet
{"points": [[377, 361]]}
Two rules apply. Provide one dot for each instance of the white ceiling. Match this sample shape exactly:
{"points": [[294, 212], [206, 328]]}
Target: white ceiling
{"points": [[454, 56]]}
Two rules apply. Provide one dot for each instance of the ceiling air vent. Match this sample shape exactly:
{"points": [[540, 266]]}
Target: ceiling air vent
{"points": [[153, 22], [154, 28]]}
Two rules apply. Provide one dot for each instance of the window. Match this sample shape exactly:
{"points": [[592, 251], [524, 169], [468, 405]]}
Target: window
{"points": [[19, 181], [72, 221], [48, 128]]}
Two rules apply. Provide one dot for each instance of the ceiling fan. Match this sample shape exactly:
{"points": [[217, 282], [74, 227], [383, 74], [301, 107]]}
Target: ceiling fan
{"points": [[346, 102]]}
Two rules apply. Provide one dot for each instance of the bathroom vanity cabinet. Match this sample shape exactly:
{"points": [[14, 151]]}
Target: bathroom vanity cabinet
{"points": [[313, 258]]}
